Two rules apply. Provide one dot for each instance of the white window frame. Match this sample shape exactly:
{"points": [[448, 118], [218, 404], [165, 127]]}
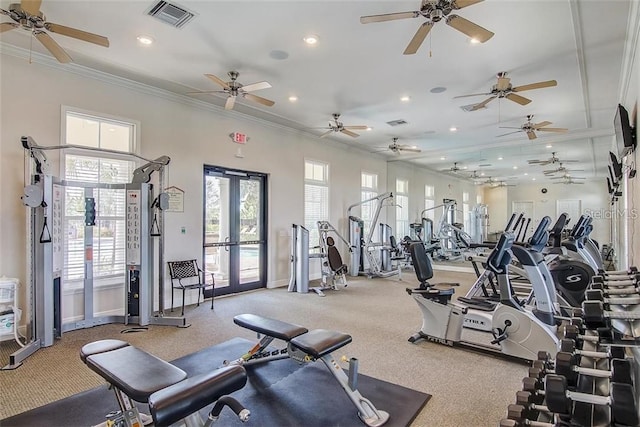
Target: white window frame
{"points": [[466, 212], [402, 209], [430, 202], [134, 137], [312, 223], [368, 192]]}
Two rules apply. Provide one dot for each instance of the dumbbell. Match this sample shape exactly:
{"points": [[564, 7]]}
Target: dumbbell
{"points": [[621, 400], [513, 423], [622, 290], [630, 270], [594, 315], [569, 346], [566, 365], [517, 417], [603, 337], [599, 295], [531, 405], [616, 280]]}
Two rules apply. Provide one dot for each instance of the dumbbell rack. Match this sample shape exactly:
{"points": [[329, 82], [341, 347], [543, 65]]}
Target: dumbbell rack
{"points": [[594, 377]]}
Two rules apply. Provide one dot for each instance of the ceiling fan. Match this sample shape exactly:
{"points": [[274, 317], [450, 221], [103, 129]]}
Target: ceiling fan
{"points": [[338, 126], [455, 168], [501, 184], [27, 15], [234, 89], [531, 128], [398, 148], [551, 161], [561, 169], [435, 11], [504, 89], [568, 180]]}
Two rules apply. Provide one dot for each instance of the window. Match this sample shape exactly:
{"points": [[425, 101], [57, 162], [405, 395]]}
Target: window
{"points": [[316, 197], [91, 131], [466, 212], [429, 202], [402, 208], [369, 190]]}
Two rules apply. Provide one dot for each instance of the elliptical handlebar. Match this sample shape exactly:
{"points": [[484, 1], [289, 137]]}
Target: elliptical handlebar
{"points": [[500, 257], [540, 237]]}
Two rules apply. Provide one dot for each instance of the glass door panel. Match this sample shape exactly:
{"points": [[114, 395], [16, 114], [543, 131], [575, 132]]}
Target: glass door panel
{"points": [[217, 230], [250, 230]]}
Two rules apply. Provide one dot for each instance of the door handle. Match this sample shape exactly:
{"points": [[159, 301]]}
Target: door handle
{"points": [[226, 240]]}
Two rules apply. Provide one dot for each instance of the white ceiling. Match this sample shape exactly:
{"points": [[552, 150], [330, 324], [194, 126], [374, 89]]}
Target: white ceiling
{"points": [[359, 70]]}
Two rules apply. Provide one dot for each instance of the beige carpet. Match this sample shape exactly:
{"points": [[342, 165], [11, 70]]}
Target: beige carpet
{"points": [[468, 389]]}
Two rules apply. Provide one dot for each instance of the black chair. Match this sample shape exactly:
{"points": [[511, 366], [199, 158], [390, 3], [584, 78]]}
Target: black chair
{"points": [[187, 275]]}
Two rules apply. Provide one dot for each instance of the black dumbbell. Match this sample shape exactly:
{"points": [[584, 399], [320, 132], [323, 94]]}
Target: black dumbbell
{"points": [[569, 346], [517, 417], [594, 315], [531, 404], [598, 295], [621, 400], [566, 365], [614, 290], [630, 271], [574, 332]]}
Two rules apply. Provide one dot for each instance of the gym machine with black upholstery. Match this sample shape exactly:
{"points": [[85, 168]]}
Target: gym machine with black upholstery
{"points": [[305, 346]]}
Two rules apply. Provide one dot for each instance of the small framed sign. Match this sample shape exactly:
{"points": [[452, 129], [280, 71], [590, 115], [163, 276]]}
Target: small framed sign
{"points": [[176, 199]]}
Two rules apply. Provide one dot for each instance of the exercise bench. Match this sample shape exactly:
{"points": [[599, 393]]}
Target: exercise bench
{"points": [[136, 375], [306, 346]]}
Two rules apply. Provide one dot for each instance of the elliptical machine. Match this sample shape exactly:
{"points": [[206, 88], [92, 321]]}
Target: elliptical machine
{"points": [[517, 333], [571, 274]]}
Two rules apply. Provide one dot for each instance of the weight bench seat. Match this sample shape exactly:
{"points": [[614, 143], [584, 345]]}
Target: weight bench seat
{"points": [[270, 327], [179, 400], [137, 373], [320, 342]]}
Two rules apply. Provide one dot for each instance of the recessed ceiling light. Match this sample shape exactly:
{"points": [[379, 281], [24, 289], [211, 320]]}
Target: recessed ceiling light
{"points": [[533, 179], [369, 128], [145, 40], [525, 174], [453, 129], [515, 167], [499, 158], [293, 98], [405, 99], [549, 146], [443, 158], [311, 39], [481, 173], [473, 40]]}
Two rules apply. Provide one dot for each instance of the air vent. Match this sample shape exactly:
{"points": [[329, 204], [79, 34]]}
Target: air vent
{"points": [[176, 16], [397, 122]]}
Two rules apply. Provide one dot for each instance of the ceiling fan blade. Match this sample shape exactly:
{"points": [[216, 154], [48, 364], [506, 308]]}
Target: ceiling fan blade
{"points": [[509, 133], [77, 34], [218, 80], [541, 124], [518, 99], [503, 83], [482, 104], [467, 27], [32, 7], [387, 17], [195, 92], [348, 132], [509, 127], [418, 38], [6, 26], [411, 149], [539, 85], [326, 133], [357, 127], [459, 4], [554, 130], [256, 86], [570, 161], [53, 47], [473, 94], [531, 134], [259, 99], [231, 101]]}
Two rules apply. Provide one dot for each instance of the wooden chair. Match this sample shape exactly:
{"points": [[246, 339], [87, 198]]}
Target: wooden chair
{"points": [[187, 275]]}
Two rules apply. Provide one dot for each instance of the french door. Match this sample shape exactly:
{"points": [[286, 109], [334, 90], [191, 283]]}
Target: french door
{"points": [[235, 231]]}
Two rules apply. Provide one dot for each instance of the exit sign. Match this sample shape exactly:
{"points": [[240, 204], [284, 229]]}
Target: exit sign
{"points": [[239, 138]]}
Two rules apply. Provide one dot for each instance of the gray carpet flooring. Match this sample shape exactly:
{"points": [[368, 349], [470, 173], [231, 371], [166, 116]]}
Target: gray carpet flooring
{"points": [[469, 389]]}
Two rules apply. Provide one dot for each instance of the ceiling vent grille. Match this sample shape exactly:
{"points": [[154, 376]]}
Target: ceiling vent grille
{"points": [[397, 122], [169, 13]]}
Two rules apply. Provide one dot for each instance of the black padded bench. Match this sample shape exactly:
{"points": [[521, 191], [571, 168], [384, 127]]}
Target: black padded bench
{"points": [[140, 376], [306, 346]]}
